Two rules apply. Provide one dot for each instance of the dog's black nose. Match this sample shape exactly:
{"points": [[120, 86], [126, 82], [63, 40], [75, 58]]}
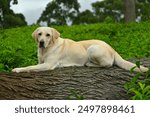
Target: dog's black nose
{"points": [[41, 44]]}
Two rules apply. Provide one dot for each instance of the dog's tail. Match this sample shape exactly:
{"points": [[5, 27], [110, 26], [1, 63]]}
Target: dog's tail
{"points": [[119, 61]]}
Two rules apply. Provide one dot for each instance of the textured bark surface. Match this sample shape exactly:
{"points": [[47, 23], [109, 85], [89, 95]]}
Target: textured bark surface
{"points": [[130, 10], [92, 83]]}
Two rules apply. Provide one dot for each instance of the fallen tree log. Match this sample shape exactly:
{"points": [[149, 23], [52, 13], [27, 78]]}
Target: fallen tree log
{"points": [[64, 83]]}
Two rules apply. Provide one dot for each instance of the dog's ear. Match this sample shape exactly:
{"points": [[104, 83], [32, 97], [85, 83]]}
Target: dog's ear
{"points": [[55, 33], [35, 35]]}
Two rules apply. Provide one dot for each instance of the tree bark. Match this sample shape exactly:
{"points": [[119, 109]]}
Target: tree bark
{"points": [[130, 12], [91, 83]]}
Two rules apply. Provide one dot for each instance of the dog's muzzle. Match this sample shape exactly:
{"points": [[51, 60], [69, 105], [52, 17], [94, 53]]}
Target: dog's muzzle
{"points": [[41, 44]]}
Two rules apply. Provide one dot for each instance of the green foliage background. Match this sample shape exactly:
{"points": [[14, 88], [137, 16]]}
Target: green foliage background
{"points": [[17, 48]]}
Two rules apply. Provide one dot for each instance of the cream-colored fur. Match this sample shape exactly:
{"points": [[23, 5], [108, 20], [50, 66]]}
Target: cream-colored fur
{"points": [[54, 52]]}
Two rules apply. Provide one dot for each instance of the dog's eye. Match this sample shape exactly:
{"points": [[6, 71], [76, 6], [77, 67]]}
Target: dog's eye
{"points": [[40, 34], [47, 35]]}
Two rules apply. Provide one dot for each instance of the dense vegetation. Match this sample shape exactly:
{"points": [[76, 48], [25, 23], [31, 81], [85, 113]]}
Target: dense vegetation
{"points": [[17, 48], [130, 40]]}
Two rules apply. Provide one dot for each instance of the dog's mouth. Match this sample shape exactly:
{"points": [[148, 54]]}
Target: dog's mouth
{"points": [[41, 44]]}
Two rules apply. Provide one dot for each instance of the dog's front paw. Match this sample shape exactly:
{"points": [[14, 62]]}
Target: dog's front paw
{"points": [[18, 70]]}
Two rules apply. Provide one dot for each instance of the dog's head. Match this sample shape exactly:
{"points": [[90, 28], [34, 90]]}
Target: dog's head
{"points": [[45, 36]]}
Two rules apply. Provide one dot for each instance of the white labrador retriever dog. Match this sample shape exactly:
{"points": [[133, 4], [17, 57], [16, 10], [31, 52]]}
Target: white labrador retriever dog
{"points": [[54, 52]]}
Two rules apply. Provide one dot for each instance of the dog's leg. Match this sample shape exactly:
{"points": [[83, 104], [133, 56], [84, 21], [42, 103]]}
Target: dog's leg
{"points": [[90, 64], [36, 68], [100, 56]]}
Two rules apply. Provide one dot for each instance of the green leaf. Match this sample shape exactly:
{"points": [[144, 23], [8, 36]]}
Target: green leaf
{"points": [[132, 69], [137, 93], [146, 90], [138, 64], [134, 79], [141, 85], [148, 74]]}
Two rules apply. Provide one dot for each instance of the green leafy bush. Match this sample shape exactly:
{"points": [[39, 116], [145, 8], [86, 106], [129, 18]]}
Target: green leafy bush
{"points": [[139, 89], [17, 48]]}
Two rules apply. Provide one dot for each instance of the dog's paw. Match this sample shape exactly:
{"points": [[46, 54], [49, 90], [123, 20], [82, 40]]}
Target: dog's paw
{"points": [[17, 70]]}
